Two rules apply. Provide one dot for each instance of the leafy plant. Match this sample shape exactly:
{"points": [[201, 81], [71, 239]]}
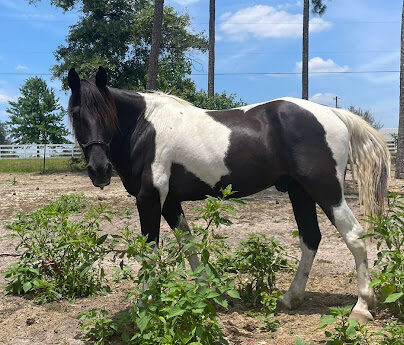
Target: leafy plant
{"points": [[268, 306], [96, 326], [346, 330], [256, 260], [77, 163], [388, 230], [61, 258], [392, 334], [349, 331], [174, 305]]}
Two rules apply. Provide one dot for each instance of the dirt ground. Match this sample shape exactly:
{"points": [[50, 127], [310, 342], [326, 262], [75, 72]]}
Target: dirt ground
{"points": [[331, 283]]}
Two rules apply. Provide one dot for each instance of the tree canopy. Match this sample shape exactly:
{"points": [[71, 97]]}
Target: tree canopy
{"points": [[319, 7], [116, 34], [3, 134], [366, 115], [36, 116]]}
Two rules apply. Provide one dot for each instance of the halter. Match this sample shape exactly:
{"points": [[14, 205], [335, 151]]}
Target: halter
{"points": [[93, 142]]}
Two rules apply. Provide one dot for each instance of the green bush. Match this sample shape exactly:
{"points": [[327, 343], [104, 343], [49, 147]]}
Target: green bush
{"points": [[256, 261], [174, 305], [346, 331], [349, 331], [77, 163], [61, 258], [388, 277]]}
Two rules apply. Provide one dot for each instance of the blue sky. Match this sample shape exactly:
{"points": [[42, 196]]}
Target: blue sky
{"points": [[252, 36]]}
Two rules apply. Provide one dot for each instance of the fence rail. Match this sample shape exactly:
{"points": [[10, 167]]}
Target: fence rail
{"points": [[39, 150]]}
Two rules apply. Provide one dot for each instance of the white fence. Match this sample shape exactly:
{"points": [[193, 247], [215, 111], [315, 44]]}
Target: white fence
{"points": [[38, 151]]}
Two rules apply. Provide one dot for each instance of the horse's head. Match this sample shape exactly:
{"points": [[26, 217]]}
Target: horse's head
{"points": [[93, 115]]}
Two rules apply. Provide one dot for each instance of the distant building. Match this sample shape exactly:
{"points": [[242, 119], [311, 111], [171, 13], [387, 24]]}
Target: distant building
{"points": [[390, 135]]}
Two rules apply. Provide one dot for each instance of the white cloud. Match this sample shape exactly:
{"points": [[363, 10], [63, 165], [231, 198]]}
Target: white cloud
{"points": [[324, 98], [389, 61], [186, 2], [5, 98], [21, 67], [290, 4], [317, 64], [262, 21]]}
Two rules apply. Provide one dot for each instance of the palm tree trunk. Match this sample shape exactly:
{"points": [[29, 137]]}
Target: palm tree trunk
{"points": [[400, 144], [155, 45], [305, 57], [211, 69]]}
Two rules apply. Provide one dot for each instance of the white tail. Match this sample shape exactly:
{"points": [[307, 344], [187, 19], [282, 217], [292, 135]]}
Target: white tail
{"points": [[370, 158]]}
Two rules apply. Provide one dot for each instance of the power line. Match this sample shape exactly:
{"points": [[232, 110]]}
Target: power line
{"points": [[8, 19], [250, 53], [234, 73], [298, 73]]}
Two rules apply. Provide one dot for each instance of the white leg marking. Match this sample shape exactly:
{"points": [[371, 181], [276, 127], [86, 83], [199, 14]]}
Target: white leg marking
{"points": [[350, 230], [295, 295]]}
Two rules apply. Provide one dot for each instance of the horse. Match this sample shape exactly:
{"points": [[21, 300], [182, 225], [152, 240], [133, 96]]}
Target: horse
{"points": [[166, 151]]}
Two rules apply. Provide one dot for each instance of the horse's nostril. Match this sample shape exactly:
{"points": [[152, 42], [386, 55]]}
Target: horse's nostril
{"points": [[91, 169], [109, 169]]}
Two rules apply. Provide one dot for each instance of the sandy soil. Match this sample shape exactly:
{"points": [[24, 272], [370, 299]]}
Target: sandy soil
{"points": [[331, 283]]}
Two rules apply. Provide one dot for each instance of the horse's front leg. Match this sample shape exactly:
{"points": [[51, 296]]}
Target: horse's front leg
{"points": [[148, 205], [174, 215]]}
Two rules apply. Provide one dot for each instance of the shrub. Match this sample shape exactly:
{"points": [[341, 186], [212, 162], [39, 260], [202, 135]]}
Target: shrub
{"points": [[388, 230], [392, 334], [349, 331], [346, 331], [256, 260], [61, 258], [174, 305]]}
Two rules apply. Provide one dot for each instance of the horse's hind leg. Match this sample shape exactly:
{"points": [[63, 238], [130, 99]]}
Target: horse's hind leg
{"points": [[174, 215], [304, 209], [351, 231], [329, 195]]}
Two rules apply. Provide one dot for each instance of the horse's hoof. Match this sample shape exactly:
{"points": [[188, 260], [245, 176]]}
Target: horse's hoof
{"points": [[361, 316]]}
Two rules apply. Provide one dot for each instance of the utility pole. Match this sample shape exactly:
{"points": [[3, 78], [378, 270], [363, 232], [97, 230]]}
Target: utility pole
{"points": [[336, 101], [211, 68]]}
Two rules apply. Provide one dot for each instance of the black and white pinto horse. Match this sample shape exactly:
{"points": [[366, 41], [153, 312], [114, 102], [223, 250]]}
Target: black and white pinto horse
{"points": [[167, 151]]}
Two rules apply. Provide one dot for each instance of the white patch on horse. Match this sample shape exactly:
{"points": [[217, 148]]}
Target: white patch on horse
{"points": [[248, 107], [295, 295], [188, 136], [337, 135], [351, 231]]}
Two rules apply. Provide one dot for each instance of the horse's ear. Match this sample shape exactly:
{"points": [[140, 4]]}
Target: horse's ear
{"points": [[101, 78], [73, 79]]}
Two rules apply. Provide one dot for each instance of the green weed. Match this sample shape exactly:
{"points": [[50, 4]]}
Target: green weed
{"points": [[61, 258], [388, 277]]}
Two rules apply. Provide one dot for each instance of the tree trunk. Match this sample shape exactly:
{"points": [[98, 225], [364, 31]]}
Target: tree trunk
{"points": [[155, 45], [400, 144], [305, 55], [211, 69]]}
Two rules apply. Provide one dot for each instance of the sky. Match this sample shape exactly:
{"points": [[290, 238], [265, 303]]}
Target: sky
{"points": [[254, 40]]}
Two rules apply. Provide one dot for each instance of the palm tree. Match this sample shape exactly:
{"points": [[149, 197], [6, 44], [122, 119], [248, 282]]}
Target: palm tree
{"points": [[211, 68], [318, 8], [155, 45], [400, 144]]}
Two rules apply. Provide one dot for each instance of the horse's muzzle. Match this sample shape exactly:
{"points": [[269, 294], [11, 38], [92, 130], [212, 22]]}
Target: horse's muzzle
{"points": [[100, 175]]}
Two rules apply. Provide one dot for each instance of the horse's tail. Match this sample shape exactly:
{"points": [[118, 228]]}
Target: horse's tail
{"points": [[370, 157]]}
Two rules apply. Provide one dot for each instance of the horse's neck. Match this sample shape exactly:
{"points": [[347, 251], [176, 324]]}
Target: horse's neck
{"points": [[130, 106]]}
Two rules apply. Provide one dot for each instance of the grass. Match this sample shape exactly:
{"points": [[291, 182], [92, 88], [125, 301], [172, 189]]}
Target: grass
{"points": [[35, 165]]}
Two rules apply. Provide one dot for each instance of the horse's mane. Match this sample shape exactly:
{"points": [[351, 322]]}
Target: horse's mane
{"points": [[98, 102]]}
